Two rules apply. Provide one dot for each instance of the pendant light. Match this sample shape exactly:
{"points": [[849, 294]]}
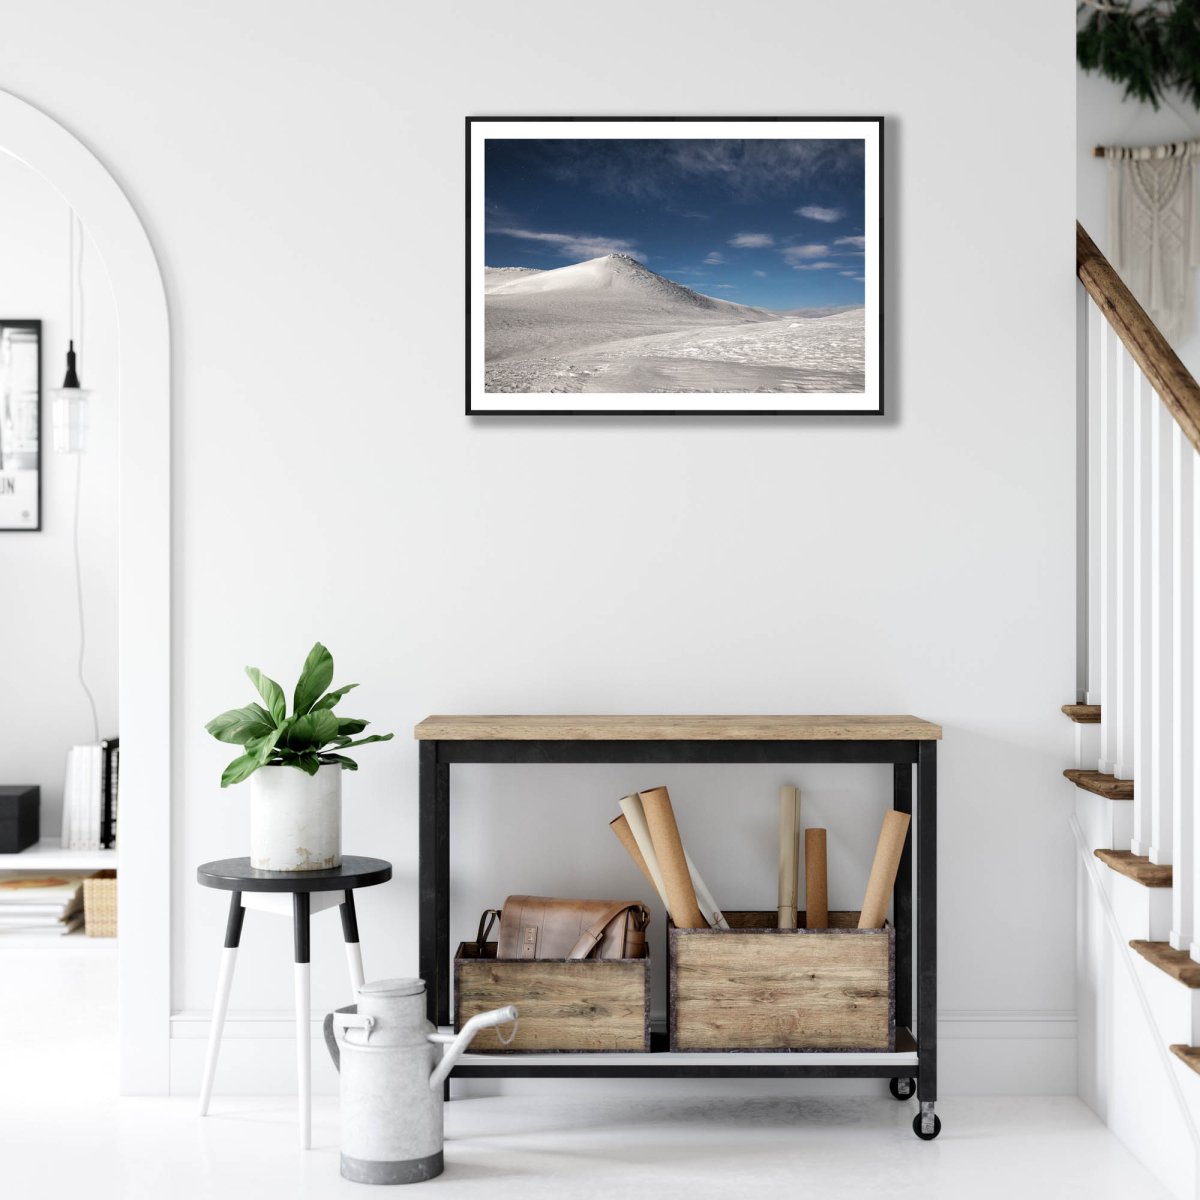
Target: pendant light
{"points": [[70, 402]]}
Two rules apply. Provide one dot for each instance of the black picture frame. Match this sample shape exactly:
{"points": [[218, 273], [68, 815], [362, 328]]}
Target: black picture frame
{"points": [[874, 405], [20, 456]]}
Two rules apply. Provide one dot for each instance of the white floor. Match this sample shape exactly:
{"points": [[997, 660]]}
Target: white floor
{"points": [[63, 1134]]}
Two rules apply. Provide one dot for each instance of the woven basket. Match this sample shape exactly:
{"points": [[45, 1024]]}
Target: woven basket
{"points": [[100, 904]]}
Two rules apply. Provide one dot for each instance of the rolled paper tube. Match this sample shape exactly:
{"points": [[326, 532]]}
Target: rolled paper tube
{"points": [[789, 834], [704, 898], [672, 862], [883, 870], [620, 826], [635, 819], [816, 880]]}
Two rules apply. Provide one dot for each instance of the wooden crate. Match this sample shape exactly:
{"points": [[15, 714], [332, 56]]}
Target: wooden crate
{"points": [[589, 1005], [756, 987]]}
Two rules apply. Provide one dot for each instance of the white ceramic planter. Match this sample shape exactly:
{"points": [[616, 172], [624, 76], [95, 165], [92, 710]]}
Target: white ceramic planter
{"points": [[296, 819]]}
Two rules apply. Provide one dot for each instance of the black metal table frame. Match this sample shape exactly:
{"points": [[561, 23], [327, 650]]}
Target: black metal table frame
{"points": [[436, 759]]}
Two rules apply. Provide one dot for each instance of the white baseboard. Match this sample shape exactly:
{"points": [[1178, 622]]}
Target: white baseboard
{"points": [[987, 1052]]}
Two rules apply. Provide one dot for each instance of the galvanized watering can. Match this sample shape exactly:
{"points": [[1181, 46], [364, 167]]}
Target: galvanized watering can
{"points": [[391, 1080]]}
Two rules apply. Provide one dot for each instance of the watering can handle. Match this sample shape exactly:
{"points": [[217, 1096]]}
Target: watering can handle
{"points": [[331, 1042], [341, 1018]]}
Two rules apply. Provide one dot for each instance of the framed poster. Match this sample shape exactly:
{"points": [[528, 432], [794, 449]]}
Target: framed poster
{"points": [[674, 265], [20, 425]]}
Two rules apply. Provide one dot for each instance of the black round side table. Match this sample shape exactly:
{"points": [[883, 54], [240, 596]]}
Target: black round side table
{"points": [[310, 891]]}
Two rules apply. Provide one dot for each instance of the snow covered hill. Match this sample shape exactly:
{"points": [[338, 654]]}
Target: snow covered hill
{"points": [[613, 325]]}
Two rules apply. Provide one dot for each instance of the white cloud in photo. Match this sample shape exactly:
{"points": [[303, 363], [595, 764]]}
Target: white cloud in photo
{"points": [[816, 266], [578, 247], [795, 254], [859, 279], [849, 274], [859, 243], [714, 259], [761, 274], [752, 240], [726, 287], [814, 212]]}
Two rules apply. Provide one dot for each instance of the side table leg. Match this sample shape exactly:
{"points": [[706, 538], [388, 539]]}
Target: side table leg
{"points": [[927, 935], [300, 910], [353, 946], [233, 935]]}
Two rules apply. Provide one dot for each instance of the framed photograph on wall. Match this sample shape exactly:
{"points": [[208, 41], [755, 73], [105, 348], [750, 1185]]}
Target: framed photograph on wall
{"points": [[20, 425], [674, 265]]}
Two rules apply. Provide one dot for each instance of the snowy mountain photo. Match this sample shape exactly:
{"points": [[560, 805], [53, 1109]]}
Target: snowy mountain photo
{"points": [[612, 273]]}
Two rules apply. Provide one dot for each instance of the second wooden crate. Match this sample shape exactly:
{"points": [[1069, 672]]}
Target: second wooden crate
{"points": [[756, 987], [564, 1004]]}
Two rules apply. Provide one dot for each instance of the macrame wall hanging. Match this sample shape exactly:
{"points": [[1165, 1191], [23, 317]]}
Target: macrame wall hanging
{"points": [[1154, 228]]}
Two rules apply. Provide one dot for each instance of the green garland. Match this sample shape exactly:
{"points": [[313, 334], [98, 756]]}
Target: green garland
{"points": [[1150, 48]]}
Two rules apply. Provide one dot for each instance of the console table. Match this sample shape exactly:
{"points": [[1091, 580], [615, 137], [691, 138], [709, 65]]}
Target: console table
{"points": [[904, 742]]}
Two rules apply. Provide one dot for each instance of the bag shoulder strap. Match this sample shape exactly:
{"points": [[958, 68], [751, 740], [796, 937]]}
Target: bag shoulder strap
{"points": [[485, 926], [595, 931]]}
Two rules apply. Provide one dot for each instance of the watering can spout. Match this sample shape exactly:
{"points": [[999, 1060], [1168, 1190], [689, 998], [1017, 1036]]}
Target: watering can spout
{"points": [[456, 1049]]}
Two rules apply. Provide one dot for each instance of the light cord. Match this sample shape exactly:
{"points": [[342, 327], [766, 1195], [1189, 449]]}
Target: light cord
{"points": [[75, 273]]}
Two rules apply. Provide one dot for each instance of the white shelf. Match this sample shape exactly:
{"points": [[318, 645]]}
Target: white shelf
{"points": [[67, 941], [48, 855]]}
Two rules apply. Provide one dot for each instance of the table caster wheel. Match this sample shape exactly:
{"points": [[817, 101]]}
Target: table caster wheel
{"points": [[902, 1089], [927, 1137]]}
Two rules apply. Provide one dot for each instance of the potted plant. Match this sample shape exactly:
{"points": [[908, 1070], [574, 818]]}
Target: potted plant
{"points": [[294, 764]]}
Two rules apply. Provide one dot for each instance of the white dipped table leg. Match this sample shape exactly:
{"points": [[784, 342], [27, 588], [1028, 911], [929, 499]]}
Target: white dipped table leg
{"points": [[303, 1054], [220, 1007], [354, 962]]}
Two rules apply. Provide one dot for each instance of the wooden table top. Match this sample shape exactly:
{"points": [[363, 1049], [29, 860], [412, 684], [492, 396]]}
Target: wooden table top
{"points": [[858, 728]]}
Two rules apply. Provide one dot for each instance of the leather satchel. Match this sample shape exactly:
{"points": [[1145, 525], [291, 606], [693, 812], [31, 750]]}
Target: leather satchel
{"points": [[540, 927]]}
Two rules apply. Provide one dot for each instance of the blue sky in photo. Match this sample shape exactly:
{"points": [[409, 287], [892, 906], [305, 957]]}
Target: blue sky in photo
{"points": [[773, 223]]}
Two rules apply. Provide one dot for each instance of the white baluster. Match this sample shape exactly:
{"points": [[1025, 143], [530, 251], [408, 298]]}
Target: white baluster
{"points": [[1188, 851], [1146, 405], [1123, 690], [1095, 350], [1162, 756], [1183, 596], [1108, 547]]}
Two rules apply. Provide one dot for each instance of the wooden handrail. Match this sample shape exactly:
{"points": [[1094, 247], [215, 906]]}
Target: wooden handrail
{"points": [[1146, 345]]}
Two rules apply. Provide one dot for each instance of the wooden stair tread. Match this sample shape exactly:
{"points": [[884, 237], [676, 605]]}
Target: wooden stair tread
{"points": [[1136, 867], [1083, 714], [1108, 786], [1189, 1055], [1176, 963]]}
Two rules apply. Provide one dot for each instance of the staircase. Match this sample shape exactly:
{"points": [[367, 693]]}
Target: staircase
{"points": [[1136, 774]]}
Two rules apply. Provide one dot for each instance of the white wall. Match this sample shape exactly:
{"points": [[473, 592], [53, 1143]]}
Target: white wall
{"points": [[43, 710], [302, 180], [1105, 118]]}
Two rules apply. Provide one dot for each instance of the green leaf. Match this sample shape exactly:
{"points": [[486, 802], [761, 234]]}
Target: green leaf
{"points": [[309, 763], [348, 764], [271, 693], [265, 747], [241, 725], [351, 725], [331, 698], [375, 737], [241, 768], [315, 676], [311, 731]]}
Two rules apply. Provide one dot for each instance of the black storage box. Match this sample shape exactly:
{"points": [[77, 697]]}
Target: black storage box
{"points": [[20, 821]]}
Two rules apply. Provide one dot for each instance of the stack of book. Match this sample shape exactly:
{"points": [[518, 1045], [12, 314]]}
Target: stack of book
{"points": [[90, 793], [46, 903]]}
